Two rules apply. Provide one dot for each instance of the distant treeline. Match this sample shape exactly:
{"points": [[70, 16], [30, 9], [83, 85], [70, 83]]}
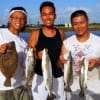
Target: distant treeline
{"points": [[92, 26]]}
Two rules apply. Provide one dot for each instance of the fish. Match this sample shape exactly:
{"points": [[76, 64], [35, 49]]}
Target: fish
{"points": [[47, 74], [68, 72], [9, 62], [83, 76], [29, 67]]}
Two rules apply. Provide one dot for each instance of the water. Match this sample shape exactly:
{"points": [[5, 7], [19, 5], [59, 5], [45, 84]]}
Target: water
{"points": [[68, 34], [26, 35]]}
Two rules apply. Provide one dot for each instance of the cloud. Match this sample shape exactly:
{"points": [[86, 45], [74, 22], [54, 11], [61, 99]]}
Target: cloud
{"points": [[63, 14], [98, 7], [4, 16]]}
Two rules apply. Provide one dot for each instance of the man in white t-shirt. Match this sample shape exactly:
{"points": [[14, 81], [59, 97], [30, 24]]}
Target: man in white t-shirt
{"points": [[83, 44], [13, 90]]}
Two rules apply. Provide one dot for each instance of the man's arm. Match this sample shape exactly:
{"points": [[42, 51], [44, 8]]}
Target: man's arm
{"points": [[62, 34], [33, 39]]}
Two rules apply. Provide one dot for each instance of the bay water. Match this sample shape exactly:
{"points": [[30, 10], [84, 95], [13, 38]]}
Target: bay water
{"points": [[25, 35]]}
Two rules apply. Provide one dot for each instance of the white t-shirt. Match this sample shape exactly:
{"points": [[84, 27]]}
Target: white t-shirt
{"points": [[88, 49], [16, 81]]}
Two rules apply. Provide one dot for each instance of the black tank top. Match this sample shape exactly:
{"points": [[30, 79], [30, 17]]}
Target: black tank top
{"points": [[53, 44]]}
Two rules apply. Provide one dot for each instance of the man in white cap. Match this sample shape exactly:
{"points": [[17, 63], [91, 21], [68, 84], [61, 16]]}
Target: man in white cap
{"points": [[13, 89]]}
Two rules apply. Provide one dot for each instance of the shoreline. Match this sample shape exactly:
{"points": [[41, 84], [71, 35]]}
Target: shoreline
{"points": [[65, 29]]}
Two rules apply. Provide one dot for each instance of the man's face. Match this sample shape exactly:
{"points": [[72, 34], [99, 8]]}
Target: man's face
{"points": [[48, 16], [17, 20], [80, 25]]}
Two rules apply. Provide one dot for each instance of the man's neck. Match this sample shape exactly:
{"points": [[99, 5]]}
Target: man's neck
{"points": [[83, 38], [50, 32], [16, 32]]}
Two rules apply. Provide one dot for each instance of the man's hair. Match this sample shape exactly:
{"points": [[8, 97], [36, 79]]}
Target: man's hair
{"points": [[47, 3], [78, 13]]}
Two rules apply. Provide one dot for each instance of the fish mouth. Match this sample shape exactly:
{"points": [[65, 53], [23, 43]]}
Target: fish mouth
{"points": [[51, 97], [81, 94]]}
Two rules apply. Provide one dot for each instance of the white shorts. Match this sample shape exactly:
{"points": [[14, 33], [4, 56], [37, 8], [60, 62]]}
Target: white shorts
{"points": [[91, 93], [40, 93]]}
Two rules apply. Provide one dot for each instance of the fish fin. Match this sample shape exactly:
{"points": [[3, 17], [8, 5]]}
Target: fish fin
{"points": [[45, 88], [7, 82], [51, 97], [85, 86]]}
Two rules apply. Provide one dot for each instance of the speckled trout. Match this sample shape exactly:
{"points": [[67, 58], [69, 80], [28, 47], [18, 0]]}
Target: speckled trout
{"points": [[68, 71], [83, 76], [47, 74], [29, 70]]}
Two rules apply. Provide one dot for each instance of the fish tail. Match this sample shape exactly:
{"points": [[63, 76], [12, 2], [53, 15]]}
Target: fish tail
{"points": [[7, 82], [81, 94], [51, 97], [28, 83]]}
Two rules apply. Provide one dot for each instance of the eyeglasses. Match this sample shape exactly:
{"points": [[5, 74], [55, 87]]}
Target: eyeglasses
{"points": [[48, 14], [16, 18]]}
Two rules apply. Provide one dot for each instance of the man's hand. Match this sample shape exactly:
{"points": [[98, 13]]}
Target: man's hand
{"points": [[3, 48], [93, 63]]}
